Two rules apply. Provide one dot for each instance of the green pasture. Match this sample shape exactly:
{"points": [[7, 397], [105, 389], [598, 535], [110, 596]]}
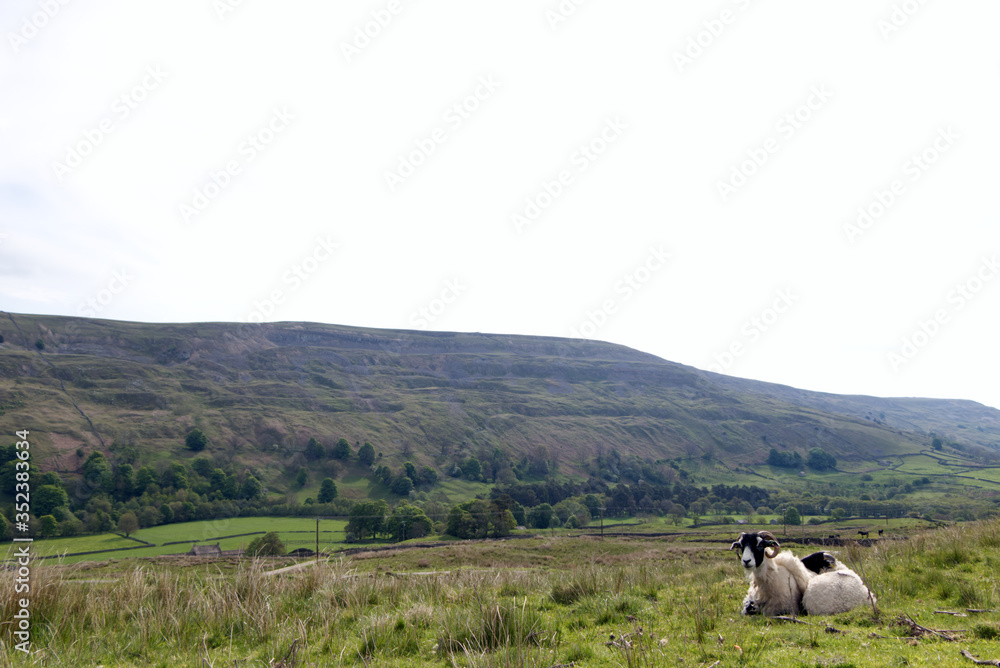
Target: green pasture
{"points": [[547, 600], [295, 532]]}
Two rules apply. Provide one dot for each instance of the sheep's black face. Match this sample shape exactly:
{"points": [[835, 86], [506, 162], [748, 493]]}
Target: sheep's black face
{"points": [[751, 546]]}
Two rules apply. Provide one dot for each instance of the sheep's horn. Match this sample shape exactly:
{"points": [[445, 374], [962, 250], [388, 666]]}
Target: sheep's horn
{"points": [[772, 542]]}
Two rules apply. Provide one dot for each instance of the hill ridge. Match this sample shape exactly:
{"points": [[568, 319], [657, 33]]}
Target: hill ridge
{"points": [[261, 391]]}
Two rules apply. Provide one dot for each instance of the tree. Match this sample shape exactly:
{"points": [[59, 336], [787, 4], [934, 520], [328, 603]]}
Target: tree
{"points": [[48, 525], [268, 545], [149, 516], [196, 440], [302, 477], [121, 480], [327, 490], [99, 522], [366, 454], [428, 476], [367, 517], [540, 516], [936, 443], [230, 486], [47, 499], [128, 523], [50, 478], [410, 471], [821, 460], [538, 464], [168, 513], [145, 477], [70, 527], [792, 516], [401, 485], [593, 505], [251, 488], [96, 471], [314, 449], [342, 450], [175, 476], [469, 520], [383, 474], [501, 518], [202, 467], [472, 469], [790, 460], [408, 521]]}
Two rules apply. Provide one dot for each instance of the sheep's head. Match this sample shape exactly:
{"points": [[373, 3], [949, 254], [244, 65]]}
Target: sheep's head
{"points": [[753, 548]]}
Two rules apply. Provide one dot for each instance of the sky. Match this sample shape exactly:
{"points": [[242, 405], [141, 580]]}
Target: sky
{"points": [[796, 192]]}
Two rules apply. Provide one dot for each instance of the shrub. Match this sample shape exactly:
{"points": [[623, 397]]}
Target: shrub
{"points": [[196, 440], [268, 545], [986, 631]]}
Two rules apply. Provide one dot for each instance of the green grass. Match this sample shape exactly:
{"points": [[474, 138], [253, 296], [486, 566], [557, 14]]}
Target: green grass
{"points": [[533, 602], [294, 532]]}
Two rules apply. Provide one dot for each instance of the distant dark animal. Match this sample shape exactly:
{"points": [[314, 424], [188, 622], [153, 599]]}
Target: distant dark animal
{"points": [[880, 532], [864, 534]]}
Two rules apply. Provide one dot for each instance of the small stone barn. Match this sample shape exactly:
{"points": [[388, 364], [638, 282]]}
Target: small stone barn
{"points": [[206, 551]]}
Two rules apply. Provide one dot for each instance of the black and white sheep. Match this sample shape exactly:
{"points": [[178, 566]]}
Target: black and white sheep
{"points": [[781, 583], [834, 592], [777, 579]]}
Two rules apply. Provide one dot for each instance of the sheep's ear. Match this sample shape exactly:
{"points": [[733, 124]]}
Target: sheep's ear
{"points": [[735, 546]]}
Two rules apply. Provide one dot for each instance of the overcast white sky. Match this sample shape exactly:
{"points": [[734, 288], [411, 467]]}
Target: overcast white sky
{"points": [[684, 178]]}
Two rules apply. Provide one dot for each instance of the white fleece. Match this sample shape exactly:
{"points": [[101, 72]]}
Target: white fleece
{"points": [[834, 592], [777, 585]]}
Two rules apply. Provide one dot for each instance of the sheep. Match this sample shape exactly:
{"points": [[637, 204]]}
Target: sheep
{"points": [[782, 584], [777, 579], [864, 534], [835, 591], [880, 532]]}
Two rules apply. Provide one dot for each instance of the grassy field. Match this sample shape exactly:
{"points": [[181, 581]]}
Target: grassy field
{"points": [[536, 601], [294, 532]]}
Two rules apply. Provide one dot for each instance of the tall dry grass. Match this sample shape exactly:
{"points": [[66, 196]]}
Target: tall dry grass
{"points": [[683, 601]]}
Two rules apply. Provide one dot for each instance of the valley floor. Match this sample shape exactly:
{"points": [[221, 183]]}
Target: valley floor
{"points": [[541, 601]]}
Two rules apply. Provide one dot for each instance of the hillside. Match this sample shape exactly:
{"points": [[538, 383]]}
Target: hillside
{"points": [[261, 391], [962, 422]]}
